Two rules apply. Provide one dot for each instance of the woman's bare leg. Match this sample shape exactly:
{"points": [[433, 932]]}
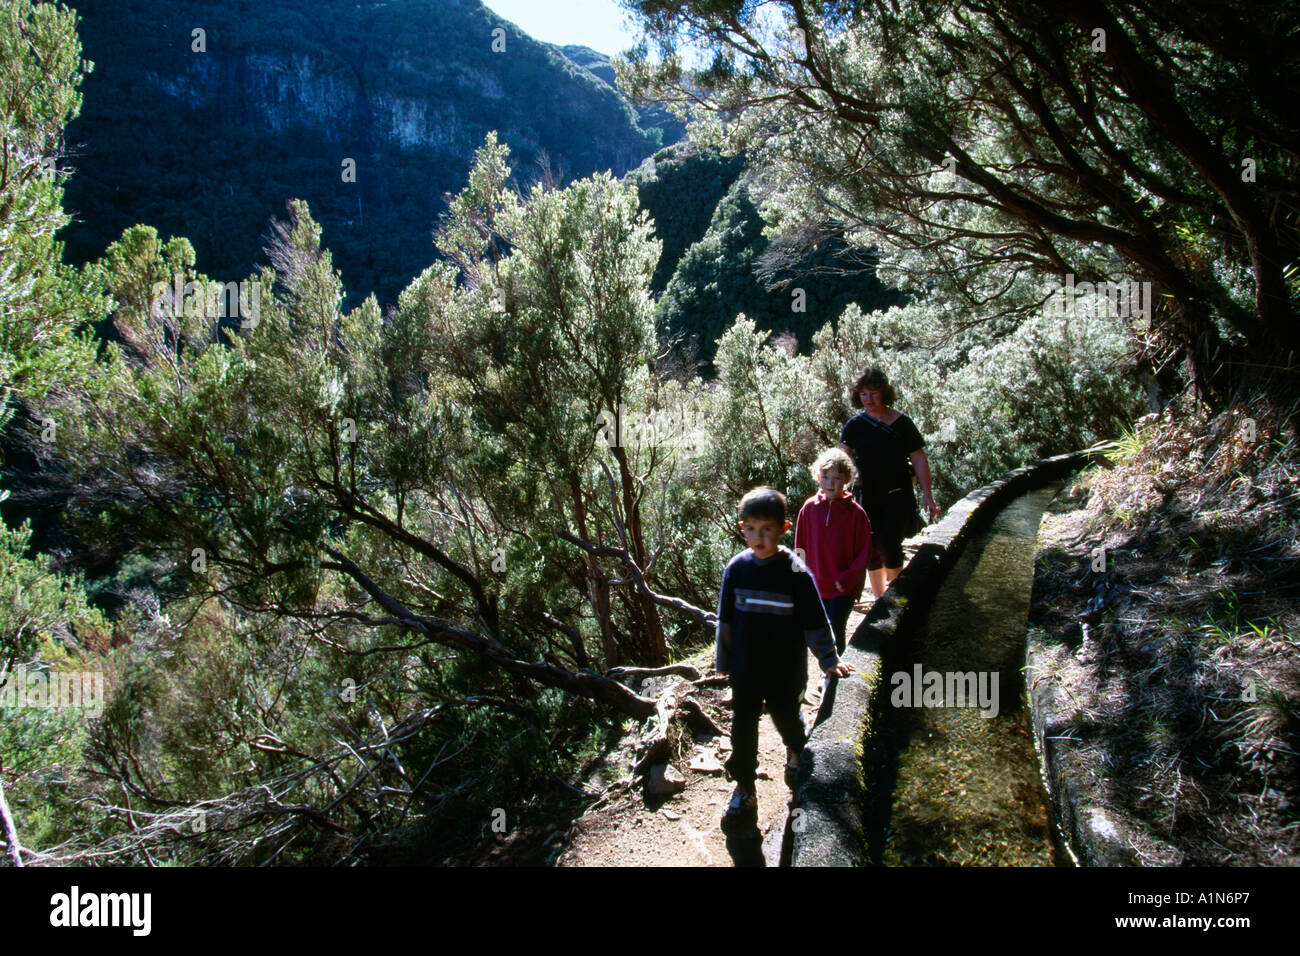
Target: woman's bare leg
{"points": [[878, 582], [881, 577]]}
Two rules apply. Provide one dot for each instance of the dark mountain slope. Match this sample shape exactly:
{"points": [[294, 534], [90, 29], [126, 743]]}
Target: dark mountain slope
{"points": [[207, 135]]}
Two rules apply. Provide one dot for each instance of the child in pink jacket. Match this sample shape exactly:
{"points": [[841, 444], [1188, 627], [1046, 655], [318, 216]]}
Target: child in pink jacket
{"points": [[833, 534]]}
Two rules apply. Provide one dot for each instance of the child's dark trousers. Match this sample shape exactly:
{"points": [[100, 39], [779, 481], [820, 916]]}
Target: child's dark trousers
{"points": [[838, 609], [747, 709]]}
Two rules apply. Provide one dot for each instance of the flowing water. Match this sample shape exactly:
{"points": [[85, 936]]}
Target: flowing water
{"points": [[957, 778]]}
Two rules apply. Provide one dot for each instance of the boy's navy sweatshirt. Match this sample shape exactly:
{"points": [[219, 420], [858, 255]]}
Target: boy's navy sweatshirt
{"points": [[768, 612]]}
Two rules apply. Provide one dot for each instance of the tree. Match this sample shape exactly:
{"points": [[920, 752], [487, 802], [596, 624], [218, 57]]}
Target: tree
{"points": [[734, 269], [988, 148], [764, 421], [45, 307], [568, 321], [983, 407], [680, 189], [44, 304], [436, 475]]}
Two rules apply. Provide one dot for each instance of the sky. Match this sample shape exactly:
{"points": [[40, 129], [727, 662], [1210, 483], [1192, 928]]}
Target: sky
{"points": [[599, 24]]}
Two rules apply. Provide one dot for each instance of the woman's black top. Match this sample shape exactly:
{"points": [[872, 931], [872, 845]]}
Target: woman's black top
{"points": [[882, 454]]}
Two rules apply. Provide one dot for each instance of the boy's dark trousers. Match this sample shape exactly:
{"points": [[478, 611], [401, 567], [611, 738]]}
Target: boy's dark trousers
{"points": [[746, 710]]}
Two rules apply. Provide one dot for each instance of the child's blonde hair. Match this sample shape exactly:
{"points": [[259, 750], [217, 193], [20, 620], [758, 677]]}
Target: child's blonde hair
{"points": [[834, 459]]}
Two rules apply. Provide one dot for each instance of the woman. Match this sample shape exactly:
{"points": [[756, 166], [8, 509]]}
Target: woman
{"points": [[886, 447]]}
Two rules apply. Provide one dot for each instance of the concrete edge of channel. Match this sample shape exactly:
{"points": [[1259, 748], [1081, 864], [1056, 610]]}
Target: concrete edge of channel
{"points": [[824, 826]]}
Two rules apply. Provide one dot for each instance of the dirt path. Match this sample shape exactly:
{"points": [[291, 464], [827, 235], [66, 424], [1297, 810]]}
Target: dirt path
{"points": [[634, 829]]}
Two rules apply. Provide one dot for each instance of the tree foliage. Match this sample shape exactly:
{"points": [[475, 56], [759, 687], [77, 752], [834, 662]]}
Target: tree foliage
{"points": [[681, 192], [989, 148], [1047, 387], [44, 309], [437, 473], [734, 268], [44, 304]]}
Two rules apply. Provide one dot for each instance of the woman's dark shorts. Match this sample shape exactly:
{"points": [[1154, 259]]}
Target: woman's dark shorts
{"points": [[890, 521]]}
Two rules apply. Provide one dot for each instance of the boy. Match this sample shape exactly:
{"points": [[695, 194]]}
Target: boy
{"points": [[768, 610], [833, 535]]}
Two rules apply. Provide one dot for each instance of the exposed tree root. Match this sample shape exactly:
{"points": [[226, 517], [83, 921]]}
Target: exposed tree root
{"points": [[677, 712]]}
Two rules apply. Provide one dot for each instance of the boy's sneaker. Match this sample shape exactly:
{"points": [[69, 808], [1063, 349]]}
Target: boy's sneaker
{"points": [[741, 809], [791, 766]]}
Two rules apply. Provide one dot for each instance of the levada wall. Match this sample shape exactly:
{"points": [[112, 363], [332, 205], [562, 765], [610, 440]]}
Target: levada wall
{"points": [[824, 826]]}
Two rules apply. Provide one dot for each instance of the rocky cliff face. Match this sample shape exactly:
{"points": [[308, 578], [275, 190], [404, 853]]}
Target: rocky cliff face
{"points": [[204, 120], [649, 116]]}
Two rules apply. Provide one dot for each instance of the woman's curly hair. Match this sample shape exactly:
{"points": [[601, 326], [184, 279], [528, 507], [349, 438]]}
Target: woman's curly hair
{"points": [[872, 377]]}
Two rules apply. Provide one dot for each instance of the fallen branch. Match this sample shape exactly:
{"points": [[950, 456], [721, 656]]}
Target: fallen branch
{"points": [[584, 683], [717, 680], [678, 670], [11, 832]]}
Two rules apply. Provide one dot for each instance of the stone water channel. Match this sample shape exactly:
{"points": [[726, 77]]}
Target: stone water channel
{"points": [[948, 785]]}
